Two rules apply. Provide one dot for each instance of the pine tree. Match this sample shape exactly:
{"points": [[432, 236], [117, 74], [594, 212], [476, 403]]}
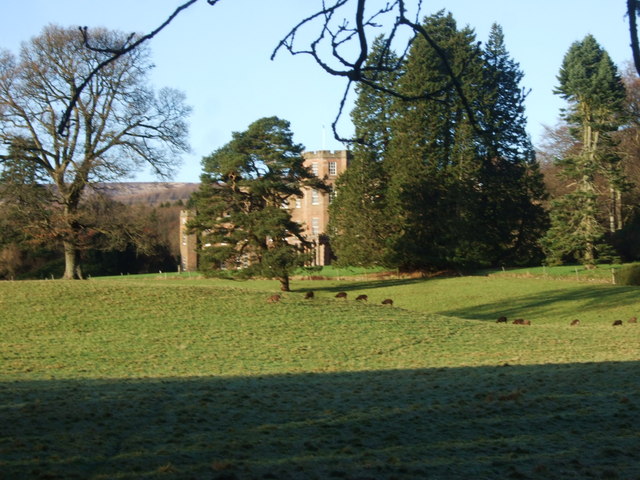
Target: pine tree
{"points": [[359, 223], [241, 204], [592, 86]]}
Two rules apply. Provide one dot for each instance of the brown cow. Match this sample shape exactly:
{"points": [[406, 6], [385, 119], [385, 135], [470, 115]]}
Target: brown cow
{"points": [[501, 320], [521, 321], [387, 301], [363, 298], [308, 295], [341, 295], [274, 298], [617, 323], [575, 322]]}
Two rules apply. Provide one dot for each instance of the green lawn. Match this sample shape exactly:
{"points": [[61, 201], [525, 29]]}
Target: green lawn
{"points": [[166, 376]]}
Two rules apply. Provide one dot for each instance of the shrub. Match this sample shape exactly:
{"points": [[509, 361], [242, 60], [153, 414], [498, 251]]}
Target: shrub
{"points": [[628, 275]]}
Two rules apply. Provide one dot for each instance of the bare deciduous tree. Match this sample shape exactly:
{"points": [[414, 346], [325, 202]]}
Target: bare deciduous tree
{"points": [[116, 123]]}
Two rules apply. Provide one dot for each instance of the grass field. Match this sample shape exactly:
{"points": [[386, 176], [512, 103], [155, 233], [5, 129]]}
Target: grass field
{"points": [[180, 377]]}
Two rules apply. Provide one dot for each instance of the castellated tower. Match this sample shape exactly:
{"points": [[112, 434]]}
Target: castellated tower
{"points": [[311, 210]]}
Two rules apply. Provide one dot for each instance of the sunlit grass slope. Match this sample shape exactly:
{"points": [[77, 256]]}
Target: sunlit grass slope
{"points": [[102, 329], [160, 377]]}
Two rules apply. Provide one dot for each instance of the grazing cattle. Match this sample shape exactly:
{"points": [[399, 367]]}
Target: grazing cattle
{"points": [[341, 295], [617, 323], [521, 321], [633, 320], [575, 322], [363, 298], [308, 295], [387, 301], [501, 320], [274, 298]]}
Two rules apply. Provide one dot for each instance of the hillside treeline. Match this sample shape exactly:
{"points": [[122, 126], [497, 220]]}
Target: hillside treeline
{"points": [[126, 228]]}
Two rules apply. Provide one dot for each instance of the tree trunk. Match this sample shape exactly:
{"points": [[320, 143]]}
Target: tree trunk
{"points": [[613, 208], [71, 265], [589, 261], [619, 210], [284, 283]]}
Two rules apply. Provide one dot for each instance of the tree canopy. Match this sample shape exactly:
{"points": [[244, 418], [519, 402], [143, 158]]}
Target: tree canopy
{"points": [[241, 208], [359, 221], [448, 181], [117, 122]]}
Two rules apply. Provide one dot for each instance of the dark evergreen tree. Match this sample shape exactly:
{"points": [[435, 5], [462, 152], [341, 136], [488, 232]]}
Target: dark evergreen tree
{"points": [[25, 199], [433, 163], [241, 204], [592, 86], [512, 185], [445, 181], [359, 223]]}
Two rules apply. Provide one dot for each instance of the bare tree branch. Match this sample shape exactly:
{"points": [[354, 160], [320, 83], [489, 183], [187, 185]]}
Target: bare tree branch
{"points": [[116, 53], [336, 38], [334, 124], [364, 24]]}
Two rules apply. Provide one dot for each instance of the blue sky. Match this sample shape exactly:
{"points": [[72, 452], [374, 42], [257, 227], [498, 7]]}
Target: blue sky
{"points": [[220, 56]]}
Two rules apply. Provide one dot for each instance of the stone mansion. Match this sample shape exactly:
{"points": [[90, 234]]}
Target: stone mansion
{"points": [[311, 210]]}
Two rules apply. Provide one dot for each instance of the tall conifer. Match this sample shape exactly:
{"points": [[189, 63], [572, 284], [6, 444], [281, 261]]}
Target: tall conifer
{"points": [[512, 185], [359, 223], [432, 163], [592, 86], [447, 181]]}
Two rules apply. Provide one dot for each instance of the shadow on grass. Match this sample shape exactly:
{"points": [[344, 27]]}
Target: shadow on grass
{"points": [[551, 421], [552, 302]]}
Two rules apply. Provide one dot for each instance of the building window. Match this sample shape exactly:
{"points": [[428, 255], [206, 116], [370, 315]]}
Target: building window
{"points": [[333, 168], [314, 168], [315, 197], [184, 239], [298, 202], [315, 226]]}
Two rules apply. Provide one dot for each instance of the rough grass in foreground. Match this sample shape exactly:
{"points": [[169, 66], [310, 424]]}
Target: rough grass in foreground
{"points": [[191, 379]]}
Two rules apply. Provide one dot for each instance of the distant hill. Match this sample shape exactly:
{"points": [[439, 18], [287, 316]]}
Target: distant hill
{"points": [[149, 193]]}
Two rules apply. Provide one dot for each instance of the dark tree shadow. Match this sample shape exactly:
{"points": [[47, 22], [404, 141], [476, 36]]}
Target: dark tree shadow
{"points": [[539, 422], [550, 303]]}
